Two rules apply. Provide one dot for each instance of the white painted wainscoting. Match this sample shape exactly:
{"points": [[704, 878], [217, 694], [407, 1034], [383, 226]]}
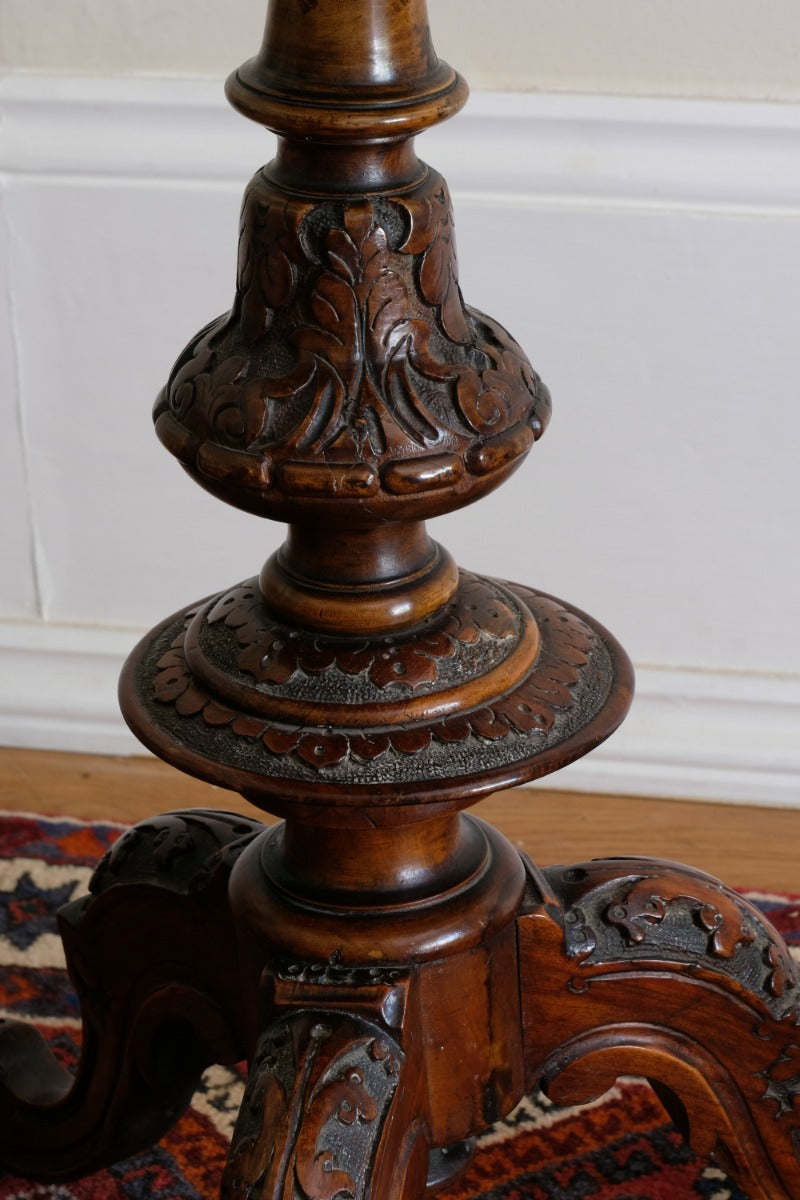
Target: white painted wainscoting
{"points": [[647, 255]]}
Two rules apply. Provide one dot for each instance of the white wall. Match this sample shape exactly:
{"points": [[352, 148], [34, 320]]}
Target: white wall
{"points": [[737, 49], [646, 254]]}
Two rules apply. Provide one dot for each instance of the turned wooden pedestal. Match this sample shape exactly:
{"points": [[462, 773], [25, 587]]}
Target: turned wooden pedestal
{"points": [[395, 973]]}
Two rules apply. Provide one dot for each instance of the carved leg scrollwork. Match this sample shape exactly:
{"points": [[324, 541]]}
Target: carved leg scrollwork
{"points": [[634, 966], [328, 1113], [151, 952]]}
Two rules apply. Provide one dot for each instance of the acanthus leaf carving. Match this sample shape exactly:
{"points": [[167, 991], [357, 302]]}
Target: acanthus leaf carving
{"points": [[316, 1104], [179, 851], [783, 970], [782, 1081], [648, 902], [348, 341], [645, 912], [266, 274]]}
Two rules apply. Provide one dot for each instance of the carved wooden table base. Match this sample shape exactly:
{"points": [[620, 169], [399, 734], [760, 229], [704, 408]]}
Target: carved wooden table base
{"points": [[375, 1035], [395, 974]]}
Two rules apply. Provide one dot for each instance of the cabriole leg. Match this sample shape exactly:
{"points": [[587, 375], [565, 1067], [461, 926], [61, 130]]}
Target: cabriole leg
{"points": [[635, 966], [152, 955]]}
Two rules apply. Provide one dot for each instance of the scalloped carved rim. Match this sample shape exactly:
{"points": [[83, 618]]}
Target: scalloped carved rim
{"points": [[574, 695]]}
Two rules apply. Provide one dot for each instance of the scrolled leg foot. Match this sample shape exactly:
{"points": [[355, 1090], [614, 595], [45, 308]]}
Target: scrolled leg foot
{"points": [[326, 1114], [151, 954], [634, 966]]}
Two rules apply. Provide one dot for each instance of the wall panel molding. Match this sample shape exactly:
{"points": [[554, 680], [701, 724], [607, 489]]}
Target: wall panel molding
{"points": [[712, 734], [581, 149]]}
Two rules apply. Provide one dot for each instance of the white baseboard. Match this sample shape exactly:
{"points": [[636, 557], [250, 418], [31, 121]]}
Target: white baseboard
{"points": [[693, 735], [60, 687], [702, 735]]}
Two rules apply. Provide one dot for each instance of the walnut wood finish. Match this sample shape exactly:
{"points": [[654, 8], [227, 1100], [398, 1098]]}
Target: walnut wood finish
{"points": [[677, 978], [394, 971]]}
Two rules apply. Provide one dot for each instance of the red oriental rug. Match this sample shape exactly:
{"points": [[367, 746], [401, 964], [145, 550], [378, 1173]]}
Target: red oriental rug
{"points": [[622, 1147]]}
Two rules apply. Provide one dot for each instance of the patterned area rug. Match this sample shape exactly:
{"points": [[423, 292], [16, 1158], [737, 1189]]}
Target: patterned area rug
{"points": [[622, 1147]]}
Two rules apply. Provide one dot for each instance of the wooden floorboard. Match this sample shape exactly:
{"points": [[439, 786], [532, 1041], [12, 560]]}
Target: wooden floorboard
{"points": [[748, 847]]}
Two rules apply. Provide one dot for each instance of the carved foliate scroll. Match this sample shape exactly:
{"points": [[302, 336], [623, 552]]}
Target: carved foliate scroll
{"points": [[315, 1111], [658, 970], [349, 368]]}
